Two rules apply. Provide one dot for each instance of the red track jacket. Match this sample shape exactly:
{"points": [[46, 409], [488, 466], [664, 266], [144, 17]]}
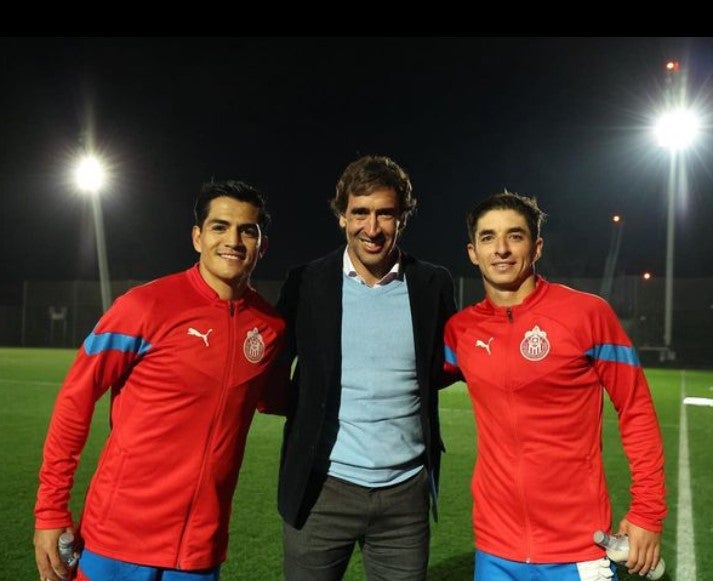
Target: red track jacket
{"points": [[536, 374], [186, 371]]}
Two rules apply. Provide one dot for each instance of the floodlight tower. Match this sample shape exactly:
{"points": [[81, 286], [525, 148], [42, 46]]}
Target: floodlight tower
{"points": [[90, 177], [612, 256], [675, 130]]}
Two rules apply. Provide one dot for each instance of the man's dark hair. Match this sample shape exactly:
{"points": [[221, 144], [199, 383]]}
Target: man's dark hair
{"points": [[235, 189], [370, 173], [523, 205]]}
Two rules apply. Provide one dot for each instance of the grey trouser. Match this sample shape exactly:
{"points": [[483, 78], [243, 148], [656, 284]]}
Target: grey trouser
{"points": [[391, 525]]}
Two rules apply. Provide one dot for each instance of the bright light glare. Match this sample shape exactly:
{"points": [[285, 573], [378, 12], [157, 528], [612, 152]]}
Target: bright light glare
{"points": [[616, 218], [677, 129], [89, 174], [672, 66]]}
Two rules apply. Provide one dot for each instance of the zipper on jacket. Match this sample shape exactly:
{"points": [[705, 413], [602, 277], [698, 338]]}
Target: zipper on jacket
{"points": [[211, 431], [514, 418]]}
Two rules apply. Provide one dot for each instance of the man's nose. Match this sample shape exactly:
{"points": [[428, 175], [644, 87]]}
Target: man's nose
{"points": [[372, 225], [234, 237], [502, 247]]}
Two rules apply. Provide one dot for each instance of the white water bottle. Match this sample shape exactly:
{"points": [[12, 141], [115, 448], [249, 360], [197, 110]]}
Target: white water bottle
{"points": [[617, 547], [65, 544]]}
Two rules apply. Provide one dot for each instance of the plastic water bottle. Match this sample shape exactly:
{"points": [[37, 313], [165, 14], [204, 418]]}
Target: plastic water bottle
{"points": [[617, 547], [66, 549]]}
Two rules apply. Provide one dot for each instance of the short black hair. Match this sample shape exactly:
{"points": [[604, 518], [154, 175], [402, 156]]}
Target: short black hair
{"points": [[235, 189], [523, 205]]}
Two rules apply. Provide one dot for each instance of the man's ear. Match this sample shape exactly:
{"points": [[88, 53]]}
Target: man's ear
{"points": [[538, 250], [342, 221], [472, 254], [264, 244], [196, 238]]}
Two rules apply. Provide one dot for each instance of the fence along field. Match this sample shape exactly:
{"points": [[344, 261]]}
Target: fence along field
{"points": [[30, 379]]}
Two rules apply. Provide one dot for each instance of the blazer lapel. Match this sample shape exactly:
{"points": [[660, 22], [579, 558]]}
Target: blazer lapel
{"points": [[423, 315], [327, 312]]}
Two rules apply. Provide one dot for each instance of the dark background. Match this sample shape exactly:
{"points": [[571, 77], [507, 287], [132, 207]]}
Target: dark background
{"points": [[567, 120]]}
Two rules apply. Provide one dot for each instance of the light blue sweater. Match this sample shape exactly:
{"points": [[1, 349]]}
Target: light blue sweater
{"points": [[378, 434]]}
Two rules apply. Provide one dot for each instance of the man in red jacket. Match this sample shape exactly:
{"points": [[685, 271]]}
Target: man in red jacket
{"points": [[537, 358], [188, 359]]}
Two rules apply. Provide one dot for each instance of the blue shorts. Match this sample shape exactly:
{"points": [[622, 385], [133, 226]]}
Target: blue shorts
{"points": [[98, 568], [491, 568]]}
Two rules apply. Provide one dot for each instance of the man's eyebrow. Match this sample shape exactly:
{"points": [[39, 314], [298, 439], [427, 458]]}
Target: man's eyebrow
{"points": [[514, 229], [377, 210]]}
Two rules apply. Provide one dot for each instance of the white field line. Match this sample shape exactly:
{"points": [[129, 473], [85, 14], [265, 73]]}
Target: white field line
{"points": [[685, 545], [702, 401]]}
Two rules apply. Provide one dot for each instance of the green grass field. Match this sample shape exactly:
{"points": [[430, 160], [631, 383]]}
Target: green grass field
{"points": [[30, 379]]}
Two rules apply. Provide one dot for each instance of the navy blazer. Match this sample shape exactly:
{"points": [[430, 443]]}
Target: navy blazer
{"points": [[311, 302]]}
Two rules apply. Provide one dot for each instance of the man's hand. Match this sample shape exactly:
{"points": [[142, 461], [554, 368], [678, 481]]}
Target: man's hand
{"points": [[644, 547], [47, 558]]}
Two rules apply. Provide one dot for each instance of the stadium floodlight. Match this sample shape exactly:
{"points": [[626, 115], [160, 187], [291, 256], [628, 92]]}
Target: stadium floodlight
{"points": [[677, 129], [90, 177], [89, 174]]}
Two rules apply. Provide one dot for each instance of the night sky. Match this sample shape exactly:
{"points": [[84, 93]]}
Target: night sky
{"points": [[564, 119]]}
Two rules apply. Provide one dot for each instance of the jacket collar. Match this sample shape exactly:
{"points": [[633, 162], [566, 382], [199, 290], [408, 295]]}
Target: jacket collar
{"points": [[206, 291], [486, 306]]}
